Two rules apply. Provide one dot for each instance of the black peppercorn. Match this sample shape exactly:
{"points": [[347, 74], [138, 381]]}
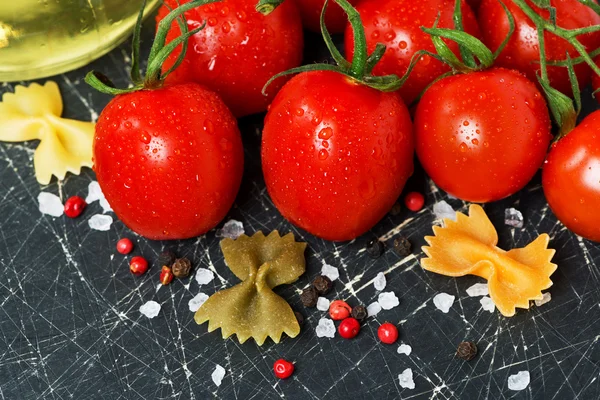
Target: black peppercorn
{"points": [[396, 209], [166, 258], [309, 297], [323, 285], [402, 246], [359, 313], [375, 248], [299, 318], [181, 268], [466, 350]]}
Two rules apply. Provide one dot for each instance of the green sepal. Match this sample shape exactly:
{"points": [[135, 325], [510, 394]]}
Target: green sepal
{"points": [[266, 7]]}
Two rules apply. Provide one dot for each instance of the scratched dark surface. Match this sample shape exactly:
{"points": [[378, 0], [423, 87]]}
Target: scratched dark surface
{"points": [[70, 326]]}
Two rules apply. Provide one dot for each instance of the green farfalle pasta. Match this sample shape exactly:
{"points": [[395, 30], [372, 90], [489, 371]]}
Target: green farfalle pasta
{"points": [[251, 309]]}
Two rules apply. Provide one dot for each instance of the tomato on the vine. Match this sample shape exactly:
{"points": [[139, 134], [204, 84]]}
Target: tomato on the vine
{"points": [[571, 178], [335, 153], [522, 52], [397, 24], [169, 160], [482, 136], [238, 51], [335, 17]]}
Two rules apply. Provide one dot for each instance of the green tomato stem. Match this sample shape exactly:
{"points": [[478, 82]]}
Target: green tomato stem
{"points": [[359, 61]]}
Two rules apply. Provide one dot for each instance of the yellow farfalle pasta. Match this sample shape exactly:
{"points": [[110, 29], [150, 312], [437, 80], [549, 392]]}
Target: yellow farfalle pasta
{"points": [[467, 246], [251, 309], [34, 113]]}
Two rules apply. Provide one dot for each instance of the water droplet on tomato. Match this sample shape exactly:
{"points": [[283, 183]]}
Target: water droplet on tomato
{"points": [[242, 15], [466, 123], [367, 189], [403, 45], [375, 34], [482, 96], [325, 133], [463, 147], [225, 145], [389, 36], [209, 127], [475, 142], [299, 112], [323, 154], [145, 138], [226, 27], [212, 21]]}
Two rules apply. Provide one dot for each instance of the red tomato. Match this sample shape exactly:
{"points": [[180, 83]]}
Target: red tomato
{"points": [[571, 178], [335, 154], [169, 161], [522, 52], [482, 136], [335, 17], [238, 51], [397, 24]]}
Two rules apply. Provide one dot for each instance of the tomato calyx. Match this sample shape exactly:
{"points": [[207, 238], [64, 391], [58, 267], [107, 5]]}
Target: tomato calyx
{"points": [[266, 7], [474, 55], [359, 70], [158, 53], [564, 109]]}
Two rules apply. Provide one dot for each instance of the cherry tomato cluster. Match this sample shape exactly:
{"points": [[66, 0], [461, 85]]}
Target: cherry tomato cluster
{"points": [[338, 141]]}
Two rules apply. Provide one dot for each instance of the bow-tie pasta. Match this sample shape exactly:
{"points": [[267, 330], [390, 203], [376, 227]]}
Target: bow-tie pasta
{"points": [[468, 247], [34, 112], [251, 309]]}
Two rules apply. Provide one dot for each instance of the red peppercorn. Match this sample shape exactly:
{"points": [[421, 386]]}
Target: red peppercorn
{"points": [[388, 333], [339, 310], [124, 246], [283, 369], [166, 275], [74, 206], [349, 328], [138, 265], [414, 201]]}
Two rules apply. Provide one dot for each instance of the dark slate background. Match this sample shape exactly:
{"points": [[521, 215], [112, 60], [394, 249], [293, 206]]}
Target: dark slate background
{"points": [[70, 327]]}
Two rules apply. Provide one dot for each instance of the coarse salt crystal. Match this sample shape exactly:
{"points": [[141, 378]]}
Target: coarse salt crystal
{"points": [[546, 297], [232, 229], [478, 289], [379, 282], [100, 222], [404, 349], [330, 271], [487, 304], [204, 276], [373, 309], [513, 217], [388, 300], [195, 303], [218, 375], [406, 379], [443, 302], [519, 381], [94, 194], [322, 304], [442, 210], [325, 328], [50, 204], [150, 309]]}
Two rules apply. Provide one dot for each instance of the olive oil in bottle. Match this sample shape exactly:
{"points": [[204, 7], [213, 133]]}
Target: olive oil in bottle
{"points": [[39, 38]]}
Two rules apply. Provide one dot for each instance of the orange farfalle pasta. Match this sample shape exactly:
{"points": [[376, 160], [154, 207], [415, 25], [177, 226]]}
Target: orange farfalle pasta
{"points": [[467, 246], [34, 113]]}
